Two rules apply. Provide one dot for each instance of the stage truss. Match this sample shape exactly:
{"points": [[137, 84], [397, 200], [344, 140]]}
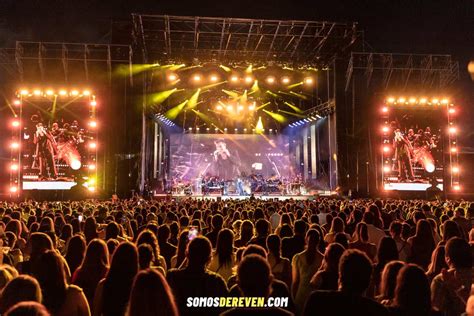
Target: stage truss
{"points": [[181, 38]]}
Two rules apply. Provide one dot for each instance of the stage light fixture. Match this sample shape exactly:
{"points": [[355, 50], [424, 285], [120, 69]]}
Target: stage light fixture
{"points": [[385, 129], [91, 167], [219, 107], [37, 92], [172, 77], [216, 129], [86, 92], [49, 92], [197, 78], [430, 167], [17, 102], [445, 101], [14, 145], [248, 79], [455, 169], [15, 123], [386, 149], [92, 145], [13, 189], [235, 130], [252, 107], [412, 100], [240, 108], [401, 100], [62, 92], [435, 101], [75, 164], [14, 167], [91, 189], [385, 109], [452, 130], [423, 101], [390, 100], [454, 149], [24, 92], [207, 129], [190, 128], [270, 80], [230, 108], [93, 124], [74, 93], [93, 103], [452, 111], [285, 80], [214, 78], [234, 79], [457, 187], [225, 129], [308, 81], [386, 169]]}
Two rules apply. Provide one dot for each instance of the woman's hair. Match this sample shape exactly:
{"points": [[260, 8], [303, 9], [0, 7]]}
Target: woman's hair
{"points": [[147, 237], [337, 225], [412, 293], [145, 256], [182, 245], [274, 245], [387, 251], [332, 257], [39, 243], [438, 261], [119, 279], [246, 230], [90, 229], [388, 280], [424, 234], [112, 231], [49, 271], [20, 289], [151, 295], [449, 230], [97, 256], [76, 248], [225, 247], [313, 239], [27, 309], [362, 232]]}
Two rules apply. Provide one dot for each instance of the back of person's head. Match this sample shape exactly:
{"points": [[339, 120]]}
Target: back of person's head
{"points": [[124, 262], [396, 228], [424, 231], [368, 218], [332, 256], [450, 229], [6, 275], [151, 295], [362, 232], [341, 238], [262, 227], [387, 250], [20, 289], [147, 237], [49, 271], [145, 256], [458, 253], [255, 249], [274, 245], [388, 280], [438, 261], [27, 309], [254, 276], [224, 246], [97, 255], [112, 244], [217, 221], [286, 231], [39, 243], [199, 252], [163, 233], [412, 293], [300, 227], [355, 271], [112, 231], [337, 225]]}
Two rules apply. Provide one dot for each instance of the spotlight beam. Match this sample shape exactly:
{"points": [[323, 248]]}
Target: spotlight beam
{"points": [[262, 106], [160, 97], [293, 114], [277, 117], [193, 100], [294, 107], [174, 112]]}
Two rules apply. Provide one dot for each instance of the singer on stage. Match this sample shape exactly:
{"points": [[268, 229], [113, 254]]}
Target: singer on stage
{"points": [[225, 163]]}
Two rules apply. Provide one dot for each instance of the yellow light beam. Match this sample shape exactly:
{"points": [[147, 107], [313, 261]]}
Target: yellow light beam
{"points": [[292, 114], [262, 106], [193, 100], [277, 117], [232, 94], [160, 97], [227, 69], [174, 112], [255, 87], [294, 107], [295, 85], [210, 86], [259, 126], [249, 69], [243, 98], [299, 95]]}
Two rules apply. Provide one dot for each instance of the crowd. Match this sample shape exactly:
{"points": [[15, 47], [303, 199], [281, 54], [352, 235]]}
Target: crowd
{"points": [[327, 256]]}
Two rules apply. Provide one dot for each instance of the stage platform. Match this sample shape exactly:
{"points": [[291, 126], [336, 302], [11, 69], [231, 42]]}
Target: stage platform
{"points": [[241, 197]]}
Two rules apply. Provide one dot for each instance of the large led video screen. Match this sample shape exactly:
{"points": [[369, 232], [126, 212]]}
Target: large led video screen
{"points": [[58, 144], [413, 149], [228, 156]]}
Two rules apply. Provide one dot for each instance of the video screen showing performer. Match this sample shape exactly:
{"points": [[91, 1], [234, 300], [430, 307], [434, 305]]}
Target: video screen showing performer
{"points": [[225, 165], [416, 155], [54, 149]]}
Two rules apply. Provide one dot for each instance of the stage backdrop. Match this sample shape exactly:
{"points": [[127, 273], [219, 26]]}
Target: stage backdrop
{"points": [[228, 155]]}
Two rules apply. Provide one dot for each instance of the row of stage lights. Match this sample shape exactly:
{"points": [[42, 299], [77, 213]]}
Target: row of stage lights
{"points": [[305, 121], [214, 78], [225, 130], [415, 101], [237, 107], [51, 92], [165, 120]]}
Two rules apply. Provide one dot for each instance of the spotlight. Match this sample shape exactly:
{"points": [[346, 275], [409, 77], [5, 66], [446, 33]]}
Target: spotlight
{"points": [[423, 101], [219, 107], [452, 130], [391, 100], [248, 79], [62, 92], [285, 80], [74, 92], [190, 128], [49, 92], [401, 100], [385, 129], [92, 145], [216, 129], [386, 169], [435, 101], [91, 189], [93, 103], [412, 100], [457, 187], [14, 167], [197, 78], [271, 80], [225, 129], [430, 167], [234, 79], [445, 101], [172, 77], [15, 123], [385, 109], [37, 92], [308, 81], [75, 164], [454, 149], [386, 149], [24, 92], [13, 189], [214, 78], [230, 108], [91, 167], [452, 111], [17, 102], [252, 107], [240, 108], [235, 130], [86, 92], [455, 169], [93, 124], [14, 145]]}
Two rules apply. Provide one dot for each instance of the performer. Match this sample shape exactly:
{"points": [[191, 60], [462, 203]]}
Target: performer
{"points": [[226, 164], [45, 151], [403, 152]]}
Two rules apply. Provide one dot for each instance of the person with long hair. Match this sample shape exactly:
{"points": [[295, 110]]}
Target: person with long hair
{"points": [[180, 255], [421, 245], [246, 233], [361, 241], [59, 297], [337, 226], [21, 289], [412, 293], [76, 248], [388, 282], [38, 243], [90, 229], [386, 252], [223, 257], [112, 293], [151, 295], [147, 237], [304, 266], [94, 267], [438, 262], [281, 267], [328, 275]]}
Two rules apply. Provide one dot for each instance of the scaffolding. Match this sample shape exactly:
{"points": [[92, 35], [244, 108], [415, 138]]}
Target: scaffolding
{"points": [[207, 39]]}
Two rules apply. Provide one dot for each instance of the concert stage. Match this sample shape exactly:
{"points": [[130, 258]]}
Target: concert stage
{"points": [[243, 197]]}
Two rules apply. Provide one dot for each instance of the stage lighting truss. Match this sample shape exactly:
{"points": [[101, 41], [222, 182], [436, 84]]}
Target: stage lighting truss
{"points": [[29, 95], [423, 103], [315, 114]]}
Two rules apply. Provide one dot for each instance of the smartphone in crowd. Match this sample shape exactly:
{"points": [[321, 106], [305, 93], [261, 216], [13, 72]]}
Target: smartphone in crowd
{"points": [[193, 233], [80, 218]]}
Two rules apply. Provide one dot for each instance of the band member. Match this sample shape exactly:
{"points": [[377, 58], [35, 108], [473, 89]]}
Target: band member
{"points": [[403, 152], [226, 164], [45, 151]]}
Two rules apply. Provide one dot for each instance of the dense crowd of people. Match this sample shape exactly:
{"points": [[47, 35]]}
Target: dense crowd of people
{"points": [[327, 256]]}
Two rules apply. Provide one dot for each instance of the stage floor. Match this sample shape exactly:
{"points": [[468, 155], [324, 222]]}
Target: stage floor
{"points": [[239, 197]]}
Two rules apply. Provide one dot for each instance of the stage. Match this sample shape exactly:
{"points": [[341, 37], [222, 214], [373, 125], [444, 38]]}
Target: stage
{"points": [[243, 197]]}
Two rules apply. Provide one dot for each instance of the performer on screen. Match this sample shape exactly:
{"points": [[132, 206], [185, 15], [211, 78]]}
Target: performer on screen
{"points": [[226, 164], [45, 151], [403, 152]]}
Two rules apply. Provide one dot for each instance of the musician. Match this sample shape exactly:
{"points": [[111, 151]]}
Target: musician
{"points": [[45, 151], [226, 164], [403, 153]]}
